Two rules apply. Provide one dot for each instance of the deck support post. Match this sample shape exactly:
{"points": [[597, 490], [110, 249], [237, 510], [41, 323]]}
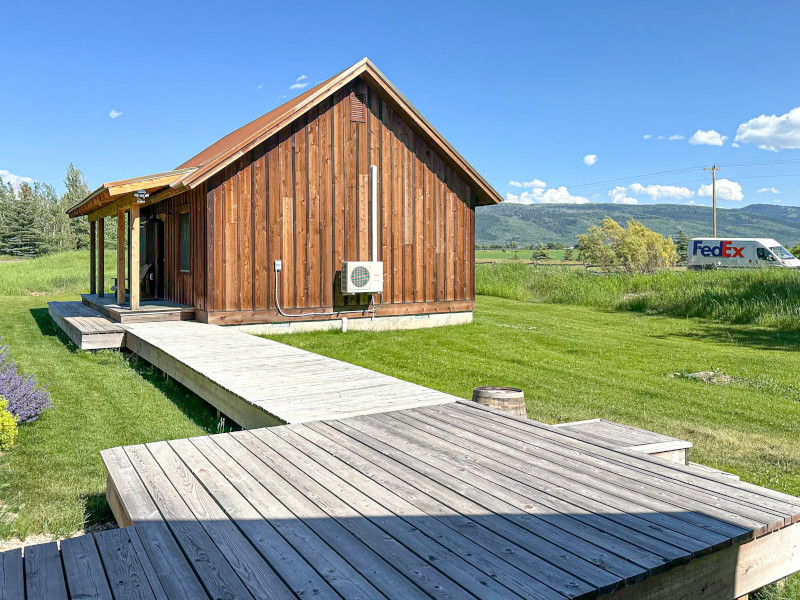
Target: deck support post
{"points": [[92, 258], [121, 257], [133, 253], [101, 257]]}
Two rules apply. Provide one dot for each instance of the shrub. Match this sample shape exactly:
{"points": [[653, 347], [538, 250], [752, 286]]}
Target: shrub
{"points": [[636, 249], [8, 426], [25, 399]]}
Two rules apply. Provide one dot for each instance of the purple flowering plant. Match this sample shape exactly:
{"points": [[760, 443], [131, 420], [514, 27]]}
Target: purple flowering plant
{"points": [[26, 399]]}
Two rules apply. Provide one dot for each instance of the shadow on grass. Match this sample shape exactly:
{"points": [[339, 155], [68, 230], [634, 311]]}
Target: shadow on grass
{"points": [[760, 338], [96, 513], [200, 412], [49, 328]]}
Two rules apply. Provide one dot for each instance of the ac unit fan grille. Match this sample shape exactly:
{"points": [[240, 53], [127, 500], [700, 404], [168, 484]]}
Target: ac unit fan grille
{"points": [[359, 277]]}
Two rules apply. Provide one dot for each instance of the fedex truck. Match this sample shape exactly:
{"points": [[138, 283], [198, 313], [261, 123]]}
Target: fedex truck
{"points": [[713, 253]]}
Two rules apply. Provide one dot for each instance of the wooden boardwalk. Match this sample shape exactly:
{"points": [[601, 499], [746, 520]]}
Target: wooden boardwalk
{"points": [[450, 502], [258, 382]]}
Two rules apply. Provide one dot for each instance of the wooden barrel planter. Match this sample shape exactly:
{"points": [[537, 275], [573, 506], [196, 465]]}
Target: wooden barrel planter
{"points": [[508, 399]]}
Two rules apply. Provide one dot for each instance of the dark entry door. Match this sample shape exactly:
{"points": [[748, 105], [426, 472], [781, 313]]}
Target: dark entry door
{"points": [[151, 265]]}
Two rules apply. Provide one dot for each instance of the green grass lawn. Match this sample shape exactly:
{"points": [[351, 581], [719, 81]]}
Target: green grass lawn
{"points": [[53, 480]]}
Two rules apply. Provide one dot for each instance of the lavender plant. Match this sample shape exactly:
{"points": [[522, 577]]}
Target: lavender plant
{"points": [[26, 399]]}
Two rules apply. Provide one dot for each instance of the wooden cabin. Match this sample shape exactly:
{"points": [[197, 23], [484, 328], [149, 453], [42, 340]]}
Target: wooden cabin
{"points": [[348, 171]]}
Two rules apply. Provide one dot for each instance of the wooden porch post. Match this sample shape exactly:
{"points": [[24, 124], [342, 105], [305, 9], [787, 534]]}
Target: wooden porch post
{"points": [[133, 249], [92, 258], [101, 257], [121, 257]]}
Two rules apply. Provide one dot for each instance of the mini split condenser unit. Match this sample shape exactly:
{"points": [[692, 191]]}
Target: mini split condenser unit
{"points": [[362, 277]]}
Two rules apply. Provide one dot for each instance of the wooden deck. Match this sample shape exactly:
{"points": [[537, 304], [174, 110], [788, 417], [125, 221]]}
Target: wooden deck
{"points": [[258, 382], [148, 311], [88, 329], [452, 501]]}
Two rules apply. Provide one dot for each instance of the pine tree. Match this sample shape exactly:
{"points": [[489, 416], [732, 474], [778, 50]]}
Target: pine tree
{"points": [[22, 236], [77, 190], [682, 245]]}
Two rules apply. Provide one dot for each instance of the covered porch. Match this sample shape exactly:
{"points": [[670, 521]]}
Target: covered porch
{"points": [[136, 287]]}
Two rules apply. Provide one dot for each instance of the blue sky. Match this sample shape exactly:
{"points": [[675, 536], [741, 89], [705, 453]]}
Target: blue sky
{"points": [[525, 91]]}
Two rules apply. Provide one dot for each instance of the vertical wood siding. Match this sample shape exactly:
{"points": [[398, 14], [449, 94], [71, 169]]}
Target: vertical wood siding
{"points": [[303, 198], [186, 288]]}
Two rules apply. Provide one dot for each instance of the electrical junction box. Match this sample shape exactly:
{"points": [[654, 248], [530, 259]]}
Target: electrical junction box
{"points": [[362, 277]]}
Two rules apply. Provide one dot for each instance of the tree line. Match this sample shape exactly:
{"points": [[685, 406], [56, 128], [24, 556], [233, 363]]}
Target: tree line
{"points": [[34, 221]]}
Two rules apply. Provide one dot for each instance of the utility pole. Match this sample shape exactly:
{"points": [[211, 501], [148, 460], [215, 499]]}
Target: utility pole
{"points": [[713, 168]]}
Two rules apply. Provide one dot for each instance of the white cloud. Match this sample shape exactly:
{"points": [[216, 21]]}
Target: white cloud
{"points": [[735, 145], [646, 136], [14, 180], [659, 192], [558, 195], [115, 113], [772, 132], [536, 183], [726, 190], [676, 136], [707, 138], [259, 86], [590, 159], [661, 137], [298, 86], [619, 195], [301, 78], [771, 190], [776, 200]]}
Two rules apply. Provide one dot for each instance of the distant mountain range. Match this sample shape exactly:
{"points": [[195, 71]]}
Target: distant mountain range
{"points": [[533, 223]]}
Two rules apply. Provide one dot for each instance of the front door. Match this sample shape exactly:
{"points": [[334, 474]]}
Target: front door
{"points": [[151, 269]]}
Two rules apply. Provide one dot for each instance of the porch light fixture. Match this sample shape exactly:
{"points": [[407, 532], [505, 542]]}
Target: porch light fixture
{"points": [[141, 196]]}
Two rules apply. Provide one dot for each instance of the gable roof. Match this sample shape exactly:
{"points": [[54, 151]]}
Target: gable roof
{"points": [[237, 143]]}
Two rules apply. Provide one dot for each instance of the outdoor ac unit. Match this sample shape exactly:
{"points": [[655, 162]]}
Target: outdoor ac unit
{"points": [[362, 277]]}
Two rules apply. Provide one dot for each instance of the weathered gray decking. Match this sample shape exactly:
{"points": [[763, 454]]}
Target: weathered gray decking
{"points": [[632, 438], [108, 565], [88, 329], [259, 382], [451, 501], [149, 309]]}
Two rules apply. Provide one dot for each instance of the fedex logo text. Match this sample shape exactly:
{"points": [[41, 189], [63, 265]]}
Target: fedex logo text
{"points": [[725, 249]]}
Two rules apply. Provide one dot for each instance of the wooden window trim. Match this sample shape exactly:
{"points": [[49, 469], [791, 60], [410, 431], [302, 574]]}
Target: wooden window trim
{"points": [[181, 211]]}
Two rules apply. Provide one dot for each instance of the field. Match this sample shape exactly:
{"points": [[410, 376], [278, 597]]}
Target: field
{"points": [[53, 480], [521, 255]]}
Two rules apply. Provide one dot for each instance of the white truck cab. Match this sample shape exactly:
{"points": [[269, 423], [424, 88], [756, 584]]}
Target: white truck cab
{"points": [[713, 253]]}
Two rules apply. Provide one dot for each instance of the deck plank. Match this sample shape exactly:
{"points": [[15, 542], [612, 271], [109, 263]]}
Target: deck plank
{"points": [[86, 578], [124, 568], [12, 577], [44, 575]]}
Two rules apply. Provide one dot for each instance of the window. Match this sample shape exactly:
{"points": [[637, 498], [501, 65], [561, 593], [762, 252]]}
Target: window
{"points": [[184, 249], [782, 252], [764, 254]]}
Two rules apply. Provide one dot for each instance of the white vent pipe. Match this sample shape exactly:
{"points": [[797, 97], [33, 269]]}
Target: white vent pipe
{"points": [[373, 181]]}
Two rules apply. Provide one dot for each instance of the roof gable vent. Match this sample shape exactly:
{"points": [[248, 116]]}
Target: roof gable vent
{"points": [[358, 113]]}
